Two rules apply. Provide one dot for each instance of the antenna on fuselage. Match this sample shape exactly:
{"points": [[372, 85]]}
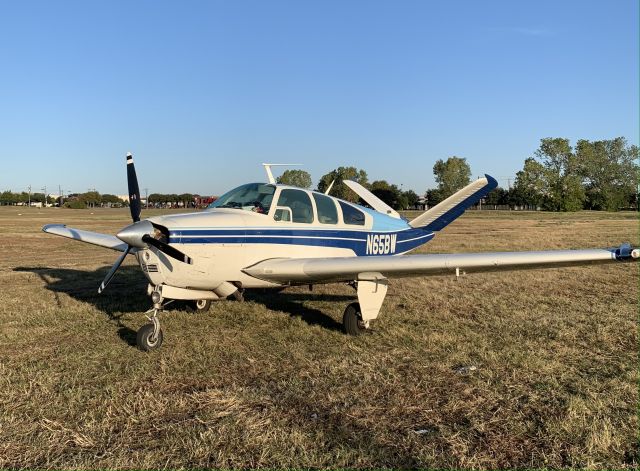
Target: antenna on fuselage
{"points": [[267, 168], [330, 186]]}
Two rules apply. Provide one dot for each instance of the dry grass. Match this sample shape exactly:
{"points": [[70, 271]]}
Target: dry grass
{"points": [[272, 382]]}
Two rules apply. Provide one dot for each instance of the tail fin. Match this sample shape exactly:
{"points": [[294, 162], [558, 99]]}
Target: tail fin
{"points": [[445, 212]]}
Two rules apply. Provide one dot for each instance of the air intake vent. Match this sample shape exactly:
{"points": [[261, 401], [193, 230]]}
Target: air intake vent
{"points": [[151, 268]]}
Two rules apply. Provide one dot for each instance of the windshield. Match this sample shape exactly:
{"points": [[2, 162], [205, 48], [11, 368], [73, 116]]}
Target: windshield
{"points": [[254, 197]]}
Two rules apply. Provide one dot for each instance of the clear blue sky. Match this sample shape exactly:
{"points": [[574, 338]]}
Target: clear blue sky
{"points": [[202, 92]]}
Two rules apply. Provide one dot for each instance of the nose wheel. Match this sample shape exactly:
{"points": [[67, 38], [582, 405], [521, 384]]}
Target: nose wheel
{"points": [[149, 336]]}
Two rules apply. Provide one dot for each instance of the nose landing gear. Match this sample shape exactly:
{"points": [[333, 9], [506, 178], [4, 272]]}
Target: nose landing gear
{"points": [[149, 336]]}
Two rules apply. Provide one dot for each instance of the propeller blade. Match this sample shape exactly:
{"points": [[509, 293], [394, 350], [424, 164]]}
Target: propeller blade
{"points": [[167, 249], [113, 270], [134, 191]]}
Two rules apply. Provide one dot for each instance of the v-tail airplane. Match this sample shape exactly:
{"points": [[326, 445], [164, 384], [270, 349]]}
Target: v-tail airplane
{"points": [[268, 235]]}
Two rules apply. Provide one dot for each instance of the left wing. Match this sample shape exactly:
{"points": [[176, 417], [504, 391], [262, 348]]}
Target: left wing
{"points": [[305, 270], [95, 238]]}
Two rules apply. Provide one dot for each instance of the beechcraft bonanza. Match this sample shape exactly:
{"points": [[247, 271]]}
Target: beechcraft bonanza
{"points": [[267, 235]]}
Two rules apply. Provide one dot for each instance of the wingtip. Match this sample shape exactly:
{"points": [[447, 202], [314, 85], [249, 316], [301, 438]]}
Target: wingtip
{"points": [[47, 227], [493, 183]]}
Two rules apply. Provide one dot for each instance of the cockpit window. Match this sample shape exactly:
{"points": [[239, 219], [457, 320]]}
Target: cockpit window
{"points": [[256, 197]]}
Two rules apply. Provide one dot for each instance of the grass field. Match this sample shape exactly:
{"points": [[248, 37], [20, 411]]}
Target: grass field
{"points": [[273, 382]]}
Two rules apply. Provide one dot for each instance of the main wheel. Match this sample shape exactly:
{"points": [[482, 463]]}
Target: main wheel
{"points": [[352, 320], [145, 340], [202, 305]]}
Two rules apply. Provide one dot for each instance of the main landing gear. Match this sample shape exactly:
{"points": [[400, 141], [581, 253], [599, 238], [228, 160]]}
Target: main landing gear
{"points": [[372, 289], [352, 320], [201, 305]]}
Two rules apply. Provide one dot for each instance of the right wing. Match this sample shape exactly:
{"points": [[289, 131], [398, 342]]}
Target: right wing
{"points": [[95, 238], [305, 270]]}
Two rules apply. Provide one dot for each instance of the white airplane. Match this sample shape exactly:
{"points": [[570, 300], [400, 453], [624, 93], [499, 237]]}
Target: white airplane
{"points": [[267, 235]]}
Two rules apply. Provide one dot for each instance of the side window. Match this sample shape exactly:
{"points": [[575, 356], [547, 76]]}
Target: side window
{"points": [[352, 215], [282, 214], [327, 212], [299, 203]]}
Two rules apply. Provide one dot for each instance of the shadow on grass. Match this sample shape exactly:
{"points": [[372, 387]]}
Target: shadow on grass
{"points": [[127, 294], [291, 303]]}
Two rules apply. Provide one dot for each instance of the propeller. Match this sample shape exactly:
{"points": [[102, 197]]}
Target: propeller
{"points": [[134, 190], [139, 234]]}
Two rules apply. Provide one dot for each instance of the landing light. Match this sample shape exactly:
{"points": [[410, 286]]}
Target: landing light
{"points": [[156, 297]]}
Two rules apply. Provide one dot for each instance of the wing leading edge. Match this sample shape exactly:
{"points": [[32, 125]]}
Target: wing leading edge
{"points": [[305, 270], [95, 238]]}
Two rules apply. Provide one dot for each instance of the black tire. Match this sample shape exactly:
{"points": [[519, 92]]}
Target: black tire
{"points": [[143, 339], [201, 305], [352, 320]]}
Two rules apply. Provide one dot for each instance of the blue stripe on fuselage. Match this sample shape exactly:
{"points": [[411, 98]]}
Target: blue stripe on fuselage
{"points": [[363, 243]]}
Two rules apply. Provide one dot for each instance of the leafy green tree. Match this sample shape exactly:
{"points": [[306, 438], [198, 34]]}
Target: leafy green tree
{"points": [[562, 174], [172, 199], [609, 171], [111, 200], [156, 198], [451, 175], [411, 198], [339, 189], [499, 196], [389, 193], [74, 204], [530, 187], [91, 198], [37, 197], [299, 178], [8, 197], [434, 196], [186, 199]]}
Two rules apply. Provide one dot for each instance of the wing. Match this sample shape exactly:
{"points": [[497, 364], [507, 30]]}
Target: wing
{"points": [[95, 238], [305, 270]]}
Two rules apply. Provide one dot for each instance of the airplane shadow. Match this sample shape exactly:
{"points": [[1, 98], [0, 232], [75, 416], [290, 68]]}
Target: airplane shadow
{"points": [[292, 304], [127, 294]]}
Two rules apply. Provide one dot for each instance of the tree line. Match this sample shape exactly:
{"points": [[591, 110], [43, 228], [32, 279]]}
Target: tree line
{"points": [[596, 175], [92, 199], [75, 200], [171, 200]]}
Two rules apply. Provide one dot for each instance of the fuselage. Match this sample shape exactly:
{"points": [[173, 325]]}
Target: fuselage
{"points": [[264, 221]]}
